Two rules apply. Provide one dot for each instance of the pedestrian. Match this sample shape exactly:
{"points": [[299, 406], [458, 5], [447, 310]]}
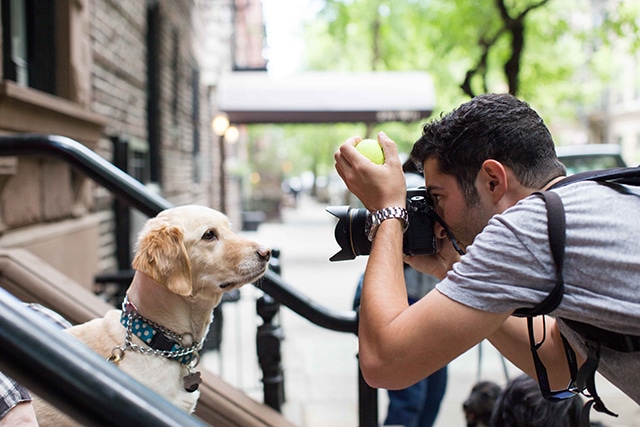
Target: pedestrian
{"points": [[482, 163]]}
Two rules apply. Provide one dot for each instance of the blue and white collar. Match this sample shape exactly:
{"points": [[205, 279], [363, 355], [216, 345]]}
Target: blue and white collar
{"points": [[162, 341]]}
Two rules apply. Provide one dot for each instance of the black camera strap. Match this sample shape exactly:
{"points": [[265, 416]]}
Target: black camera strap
{"points": [[433, 215]]}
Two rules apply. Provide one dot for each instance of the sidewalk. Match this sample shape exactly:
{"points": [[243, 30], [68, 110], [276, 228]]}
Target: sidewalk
{"points": [[320, 366]]}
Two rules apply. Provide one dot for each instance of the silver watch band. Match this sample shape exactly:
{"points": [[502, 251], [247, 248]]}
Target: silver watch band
{"points": [[374, 219]]}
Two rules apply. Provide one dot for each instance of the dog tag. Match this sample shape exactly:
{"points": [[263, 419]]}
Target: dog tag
{"points": [[192, 381], [117, 354]]}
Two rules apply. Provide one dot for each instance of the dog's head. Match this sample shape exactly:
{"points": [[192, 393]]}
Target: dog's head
{"points": [[479, 405], [521, 404], [192, 248]]}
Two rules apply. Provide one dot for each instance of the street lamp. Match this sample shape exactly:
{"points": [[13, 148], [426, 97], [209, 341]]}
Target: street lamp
{"points": [[225, 132]]}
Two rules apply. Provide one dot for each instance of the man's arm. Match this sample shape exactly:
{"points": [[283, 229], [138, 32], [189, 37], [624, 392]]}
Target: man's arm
{"points": [[401, 344], [15, 404], [21, 415], [512, 340]]}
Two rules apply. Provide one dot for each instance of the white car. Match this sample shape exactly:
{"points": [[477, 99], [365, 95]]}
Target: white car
{"points": [[580, 158]]}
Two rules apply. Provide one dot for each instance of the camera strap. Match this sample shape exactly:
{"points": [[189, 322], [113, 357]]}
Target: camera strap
{"points": [[434, 216]]}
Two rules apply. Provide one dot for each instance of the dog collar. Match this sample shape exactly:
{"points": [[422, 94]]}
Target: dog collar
{"points": [[163, 342]]}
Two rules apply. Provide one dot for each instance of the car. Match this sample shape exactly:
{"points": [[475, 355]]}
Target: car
{"points": [[580, 158]]}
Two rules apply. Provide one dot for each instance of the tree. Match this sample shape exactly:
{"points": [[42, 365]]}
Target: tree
{"points": [[539, 50], [553, 54], [512, 26]]}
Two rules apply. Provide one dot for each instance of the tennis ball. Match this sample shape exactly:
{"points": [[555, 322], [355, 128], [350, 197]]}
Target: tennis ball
{"points": [[371, 150]]}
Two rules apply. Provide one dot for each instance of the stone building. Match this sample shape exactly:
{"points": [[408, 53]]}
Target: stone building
{"points": [[118, 77]]}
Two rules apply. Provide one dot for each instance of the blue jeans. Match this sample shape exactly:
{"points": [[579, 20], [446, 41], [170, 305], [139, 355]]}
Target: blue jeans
{"points": [[417, 405]]}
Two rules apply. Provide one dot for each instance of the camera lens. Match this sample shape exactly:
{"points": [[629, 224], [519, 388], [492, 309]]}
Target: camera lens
{"points": [[349, 232]]}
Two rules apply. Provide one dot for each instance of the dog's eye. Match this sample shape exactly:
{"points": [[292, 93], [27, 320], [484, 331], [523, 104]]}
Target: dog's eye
{"points": [[209, 235]]}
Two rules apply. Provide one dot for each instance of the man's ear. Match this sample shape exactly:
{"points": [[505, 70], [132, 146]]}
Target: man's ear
{"points": [[492, 179]]}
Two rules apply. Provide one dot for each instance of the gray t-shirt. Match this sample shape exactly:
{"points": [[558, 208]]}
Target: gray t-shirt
{"points": [[509, 266]]}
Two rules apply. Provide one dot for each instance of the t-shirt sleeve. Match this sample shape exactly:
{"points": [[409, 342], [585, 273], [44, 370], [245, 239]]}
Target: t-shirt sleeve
{"points": [[509, 264]]}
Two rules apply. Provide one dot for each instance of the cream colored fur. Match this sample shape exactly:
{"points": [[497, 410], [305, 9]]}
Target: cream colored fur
{"points": [[186, 258]]}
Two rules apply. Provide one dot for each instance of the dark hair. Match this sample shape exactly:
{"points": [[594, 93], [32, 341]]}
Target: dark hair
{"points": [[520, 404], [491, 126]]}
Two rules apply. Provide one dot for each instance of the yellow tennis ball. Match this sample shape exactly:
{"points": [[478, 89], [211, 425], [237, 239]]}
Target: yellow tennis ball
{"points": [[371, 150]]}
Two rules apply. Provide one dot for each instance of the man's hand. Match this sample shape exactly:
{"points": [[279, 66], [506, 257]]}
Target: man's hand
{"points": [[437, 264], [377, 186]]}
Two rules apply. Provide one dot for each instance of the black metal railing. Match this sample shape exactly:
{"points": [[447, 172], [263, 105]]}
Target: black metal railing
{"points": [[59, 368], [138, 196]]}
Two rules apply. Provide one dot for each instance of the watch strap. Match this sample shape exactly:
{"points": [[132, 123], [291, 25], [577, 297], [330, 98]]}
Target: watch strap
{"points": [[375, 218]]}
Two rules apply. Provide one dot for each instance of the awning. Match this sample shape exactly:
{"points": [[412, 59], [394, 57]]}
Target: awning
{"points": [[326, 97]]}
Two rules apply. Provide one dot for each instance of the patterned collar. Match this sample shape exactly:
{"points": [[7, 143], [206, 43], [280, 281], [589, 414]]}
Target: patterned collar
{"points": [[163, 341]]}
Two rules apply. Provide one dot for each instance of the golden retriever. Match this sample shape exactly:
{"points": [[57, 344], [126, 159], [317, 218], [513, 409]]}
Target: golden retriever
{"points": [[185, 259]]}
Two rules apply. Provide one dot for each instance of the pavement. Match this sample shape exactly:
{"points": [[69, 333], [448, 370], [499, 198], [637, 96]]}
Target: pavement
{"points": [[320, 366]]}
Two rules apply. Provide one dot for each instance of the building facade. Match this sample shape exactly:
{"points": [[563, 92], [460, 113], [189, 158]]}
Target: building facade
{"points": [[126, 80]]}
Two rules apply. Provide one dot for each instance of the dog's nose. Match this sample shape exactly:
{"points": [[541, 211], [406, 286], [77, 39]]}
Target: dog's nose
{"points": [[264, 253]]}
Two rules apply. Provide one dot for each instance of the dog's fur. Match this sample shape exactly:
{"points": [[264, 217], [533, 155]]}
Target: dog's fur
{"points": [[479, 405], [521, 404], [186, 258]]}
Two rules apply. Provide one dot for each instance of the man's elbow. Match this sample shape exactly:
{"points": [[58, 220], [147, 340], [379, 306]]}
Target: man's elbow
{"points": [[380, 374]]}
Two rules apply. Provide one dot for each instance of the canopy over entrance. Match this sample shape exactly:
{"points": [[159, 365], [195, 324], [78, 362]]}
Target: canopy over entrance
{"points": [[326, 97]]}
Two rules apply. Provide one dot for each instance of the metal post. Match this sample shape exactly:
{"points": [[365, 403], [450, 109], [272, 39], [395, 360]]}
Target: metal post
{"points": [[268, 341], [367, 402]]}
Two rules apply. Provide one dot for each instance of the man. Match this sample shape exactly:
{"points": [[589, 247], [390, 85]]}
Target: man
{"points": [[481, 164]]}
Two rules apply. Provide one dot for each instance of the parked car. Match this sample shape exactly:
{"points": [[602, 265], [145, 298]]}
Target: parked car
{"points": [[580, 158]]}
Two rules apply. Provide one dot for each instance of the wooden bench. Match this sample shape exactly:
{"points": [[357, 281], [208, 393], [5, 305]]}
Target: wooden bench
{"points": [[31, 279]]}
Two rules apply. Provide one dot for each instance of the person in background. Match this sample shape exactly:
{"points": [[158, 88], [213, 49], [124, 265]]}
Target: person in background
{"points": [[15, 404]]}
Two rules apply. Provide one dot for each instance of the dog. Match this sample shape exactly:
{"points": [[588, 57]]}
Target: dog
{"points": [[521, 404], [186, 258], [479, 405]]}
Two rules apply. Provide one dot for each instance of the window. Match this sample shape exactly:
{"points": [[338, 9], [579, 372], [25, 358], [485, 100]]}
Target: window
{"points": [[45, 69], [29, 43]]}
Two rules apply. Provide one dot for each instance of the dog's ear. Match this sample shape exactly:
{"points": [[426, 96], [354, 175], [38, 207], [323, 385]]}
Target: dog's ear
{"points": [[161, 255]]}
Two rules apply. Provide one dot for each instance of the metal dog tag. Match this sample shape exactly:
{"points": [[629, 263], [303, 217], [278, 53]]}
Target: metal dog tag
{"points": [[192, 381]]}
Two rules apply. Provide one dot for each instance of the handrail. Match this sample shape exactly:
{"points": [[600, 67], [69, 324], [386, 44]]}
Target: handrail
{"points": [[136, 194], [273, 284], [88, 162], [68, 374]]}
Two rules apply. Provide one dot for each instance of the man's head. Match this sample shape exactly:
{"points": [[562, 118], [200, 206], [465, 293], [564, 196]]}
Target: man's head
{"points": [[491, 126]]}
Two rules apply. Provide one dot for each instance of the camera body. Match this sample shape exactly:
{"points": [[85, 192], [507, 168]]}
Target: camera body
{"points": [[419, 239]]}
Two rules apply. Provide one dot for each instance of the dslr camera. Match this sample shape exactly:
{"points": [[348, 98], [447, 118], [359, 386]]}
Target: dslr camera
{"points": [[419, 239]]}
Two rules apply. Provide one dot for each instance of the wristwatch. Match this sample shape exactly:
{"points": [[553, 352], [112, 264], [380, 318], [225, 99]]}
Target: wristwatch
{"points": [[374, 219]]}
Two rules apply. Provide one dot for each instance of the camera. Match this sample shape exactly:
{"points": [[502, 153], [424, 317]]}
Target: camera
{"points": [[419, 239]]}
